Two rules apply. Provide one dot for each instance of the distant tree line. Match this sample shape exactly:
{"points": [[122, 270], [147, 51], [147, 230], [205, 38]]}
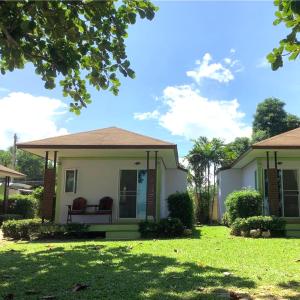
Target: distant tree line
{"points": [[27, 163]]}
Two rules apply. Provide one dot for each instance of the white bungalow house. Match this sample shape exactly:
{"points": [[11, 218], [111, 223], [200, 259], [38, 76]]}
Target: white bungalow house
{"points": [[272, 167], [138, 172]]}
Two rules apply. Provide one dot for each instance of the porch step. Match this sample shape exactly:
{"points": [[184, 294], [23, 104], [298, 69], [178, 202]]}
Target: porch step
{"points": [[117, 231], [292, 229], [122, 235], [293, 233], [292, 220], [292, 226]]}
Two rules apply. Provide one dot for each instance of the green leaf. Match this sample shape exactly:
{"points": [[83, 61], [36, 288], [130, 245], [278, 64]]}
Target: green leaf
{"points": [[294, 55]]}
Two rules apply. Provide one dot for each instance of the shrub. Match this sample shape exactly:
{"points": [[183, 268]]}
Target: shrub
{"points": [[6, 217], [264, 223], [148, 229], [21, 229], [180, 206], [225, 220], [24, 205], [34, 228], [171, 227], [49, 230], [37, 194], [243, 204]]}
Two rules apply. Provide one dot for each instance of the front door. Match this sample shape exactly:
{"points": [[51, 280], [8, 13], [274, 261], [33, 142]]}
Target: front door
{"points": [[133, 194], [290, 193]]}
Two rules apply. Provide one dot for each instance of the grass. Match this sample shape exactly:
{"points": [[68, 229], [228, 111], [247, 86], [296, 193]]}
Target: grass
{"points": [[153, 269]]}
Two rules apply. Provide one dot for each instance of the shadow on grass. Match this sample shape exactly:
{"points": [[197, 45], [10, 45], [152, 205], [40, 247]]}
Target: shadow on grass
{"points": [[111, 273], [293, 286]]}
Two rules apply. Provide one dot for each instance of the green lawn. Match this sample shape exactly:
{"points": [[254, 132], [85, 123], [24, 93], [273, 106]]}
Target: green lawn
{"points": [[154, 269]]}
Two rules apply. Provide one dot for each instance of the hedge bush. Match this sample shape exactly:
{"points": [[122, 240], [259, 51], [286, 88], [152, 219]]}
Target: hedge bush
{"points": [[21, 229], [24, 205], [180, 206], [37, 194], [34, 228], [225, 220], [6, 217], [171, 227], [148, 229], [264, 223], [243, 204]]}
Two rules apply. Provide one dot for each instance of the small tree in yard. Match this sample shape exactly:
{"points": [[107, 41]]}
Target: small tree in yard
{"points": [[180, 206], [243, 204]]}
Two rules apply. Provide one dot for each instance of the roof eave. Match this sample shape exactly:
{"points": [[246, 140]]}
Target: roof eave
{"points": [[31, 146], [267, 147]]}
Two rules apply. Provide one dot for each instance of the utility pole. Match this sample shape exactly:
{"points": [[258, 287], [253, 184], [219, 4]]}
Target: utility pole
{"points": [[14, 152]]}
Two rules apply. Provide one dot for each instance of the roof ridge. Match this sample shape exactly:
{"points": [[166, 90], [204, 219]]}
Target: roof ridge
{"points": [[143, 135]]}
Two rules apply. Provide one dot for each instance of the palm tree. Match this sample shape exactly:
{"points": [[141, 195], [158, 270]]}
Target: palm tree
{"points": [[204, 158]]}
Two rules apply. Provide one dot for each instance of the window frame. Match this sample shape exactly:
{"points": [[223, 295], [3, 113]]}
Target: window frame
{"points": [[75, 172]]}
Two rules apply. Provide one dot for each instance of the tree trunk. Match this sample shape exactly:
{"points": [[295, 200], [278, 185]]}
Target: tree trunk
{"points": [[213, 195]]}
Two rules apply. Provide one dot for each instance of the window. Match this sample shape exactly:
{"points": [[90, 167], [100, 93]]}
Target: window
{"points": [[70, 181]]}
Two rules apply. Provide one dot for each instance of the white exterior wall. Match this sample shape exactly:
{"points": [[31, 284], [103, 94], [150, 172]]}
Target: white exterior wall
{"points": [[234, 179], [175, 181], [97, 178], [228, 181], [248, 175]]}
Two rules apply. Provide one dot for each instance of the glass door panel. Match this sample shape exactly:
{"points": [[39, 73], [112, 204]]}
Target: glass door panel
{"points": [[128, 194], [141, 194], [290, 193]]}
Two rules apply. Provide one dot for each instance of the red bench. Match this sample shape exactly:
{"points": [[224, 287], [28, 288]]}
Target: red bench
{"points": [[80, 207]]}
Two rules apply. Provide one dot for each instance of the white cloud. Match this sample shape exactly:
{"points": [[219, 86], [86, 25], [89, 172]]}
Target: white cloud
{"points": [[30, 117], [186, 112], [227, 60], [146, 115], [206, 69], [232, 50], [191, 115]]}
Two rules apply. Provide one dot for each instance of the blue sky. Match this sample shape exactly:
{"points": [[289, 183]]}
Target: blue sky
{"points": [[200, 71]]}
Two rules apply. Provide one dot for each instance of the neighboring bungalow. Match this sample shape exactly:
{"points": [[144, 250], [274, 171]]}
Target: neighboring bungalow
{"points": [[109, 164], [272, 167], [7, 174]]}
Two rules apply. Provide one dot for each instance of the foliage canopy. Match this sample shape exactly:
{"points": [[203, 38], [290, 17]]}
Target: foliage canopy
{"points": [[288, 12], [74, 41]]}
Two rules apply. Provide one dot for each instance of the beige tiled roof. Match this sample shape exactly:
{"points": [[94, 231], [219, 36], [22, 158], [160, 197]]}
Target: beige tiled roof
{"points": [[289, 139], [4, 171], [111, 137]]}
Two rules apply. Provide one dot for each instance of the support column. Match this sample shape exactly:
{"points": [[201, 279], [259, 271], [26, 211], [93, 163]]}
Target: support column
{"points": [[5, 196], [54, 195], [46, 160], [155, 185], [148, 154], [48, 204], [273, 192]]}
